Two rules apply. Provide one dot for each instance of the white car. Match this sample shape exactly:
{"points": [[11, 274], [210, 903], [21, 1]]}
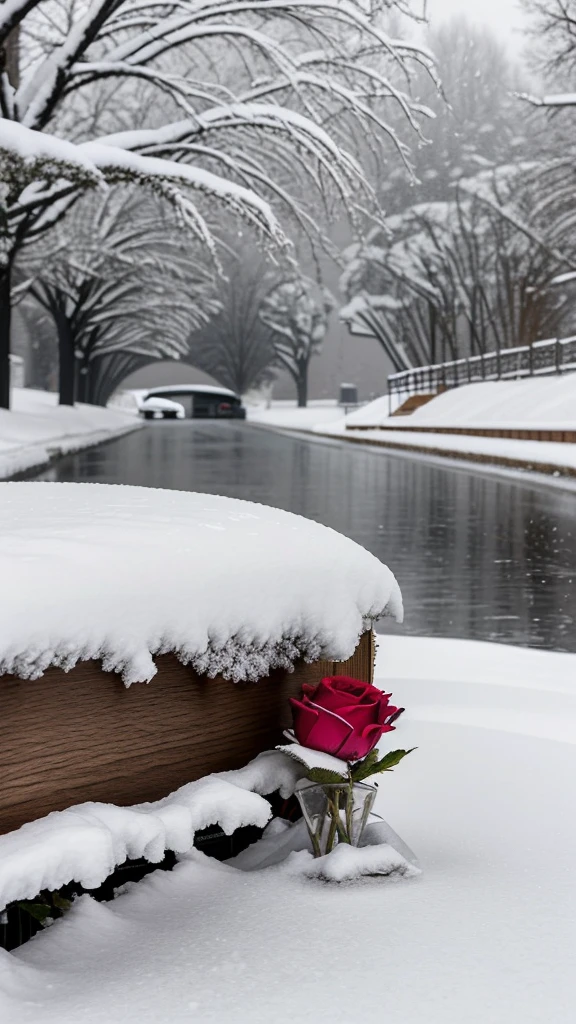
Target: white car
{"points": [[162, 408]]}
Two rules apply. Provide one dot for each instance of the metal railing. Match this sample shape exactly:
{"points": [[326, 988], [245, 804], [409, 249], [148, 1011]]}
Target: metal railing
{"points": [[557, 355]]}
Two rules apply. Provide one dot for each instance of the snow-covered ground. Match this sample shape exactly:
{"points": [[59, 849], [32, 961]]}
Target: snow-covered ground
{"points": [[287, 416], [484, 936], [37, 428]]}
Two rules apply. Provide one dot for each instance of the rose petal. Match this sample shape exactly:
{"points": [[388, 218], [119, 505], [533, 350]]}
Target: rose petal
{"points": [[356, 747], [345, 684], [385, 711], [304, 718], [328, 733], [360, 715], [396, 712], [326, 696]]}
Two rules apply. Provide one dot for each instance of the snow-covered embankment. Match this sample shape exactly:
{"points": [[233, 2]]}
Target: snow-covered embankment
{"points": [[37, 429]]}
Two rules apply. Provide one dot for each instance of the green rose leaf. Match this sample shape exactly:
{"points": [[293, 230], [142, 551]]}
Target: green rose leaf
{"points": [[385, 764], [39, 911], [364, 768], [59, 901], [324, 776]]}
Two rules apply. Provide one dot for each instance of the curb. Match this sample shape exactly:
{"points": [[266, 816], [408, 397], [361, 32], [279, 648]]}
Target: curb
{"points": [[551, 469]]}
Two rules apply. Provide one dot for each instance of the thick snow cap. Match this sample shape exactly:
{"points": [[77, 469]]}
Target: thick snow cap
{"points": [[123, 573]]}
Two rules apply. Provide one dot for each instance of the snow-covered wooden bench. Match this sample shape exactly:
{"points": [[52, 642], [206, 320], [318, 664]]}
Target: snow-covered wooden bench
{"points": [[151, 637]]}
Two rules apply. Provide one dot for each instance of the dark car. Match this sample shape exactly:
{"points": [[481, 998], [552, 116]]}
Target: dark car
{"points": [[206, 400]]}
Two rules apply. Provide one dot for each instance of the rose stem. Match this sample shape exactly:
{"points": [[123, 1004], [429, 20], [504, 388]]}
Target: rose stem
{"points": [[349, 807], [315, 844], [334, 811]]}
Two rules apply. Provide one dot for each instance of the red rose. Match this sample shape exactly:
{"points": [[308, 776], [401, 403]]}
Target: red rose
{"points": [[343, 717]]}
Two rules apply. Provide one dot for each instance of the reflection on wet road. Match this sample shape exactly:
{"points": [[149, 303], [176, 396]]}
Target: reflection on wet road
{"points": [[478, 556]]}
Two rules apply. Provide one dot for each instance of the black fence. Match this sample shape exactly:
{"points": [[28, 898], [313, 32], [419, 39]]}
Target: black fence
{"points": [[543, 358]]}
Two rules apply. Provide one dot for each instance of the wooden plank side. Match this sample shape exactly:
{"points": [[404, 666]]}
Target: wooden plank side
{"points": [[71, 737]]}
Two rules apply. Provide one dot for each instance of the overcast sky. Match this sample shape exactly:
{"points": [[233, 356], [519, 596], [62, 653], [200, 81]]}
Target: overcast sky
{"points": [[504, 16]]}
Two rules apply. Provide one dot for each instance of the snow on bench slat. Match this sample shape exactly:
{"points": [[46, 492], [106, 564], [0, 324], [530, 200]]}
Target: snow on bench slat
{"points": [[85, 843], [123, 573]]}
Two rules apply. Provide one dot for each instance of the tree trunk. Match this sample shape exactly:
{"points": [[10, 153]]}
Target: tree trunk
{"points": [[13, 57], [82, 383], [302, 386], [66, 361], [5, 321]]}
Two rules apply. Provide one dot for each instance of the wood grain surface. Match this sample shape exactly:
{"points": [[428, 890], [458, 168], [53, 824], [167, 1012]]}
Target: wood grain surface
{"points": [[81, 735]]}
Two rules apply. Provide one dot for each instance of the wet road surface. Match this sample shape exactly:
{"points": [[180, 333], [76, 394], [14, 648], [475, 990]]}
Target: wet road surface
{"points": [[477, 556]]}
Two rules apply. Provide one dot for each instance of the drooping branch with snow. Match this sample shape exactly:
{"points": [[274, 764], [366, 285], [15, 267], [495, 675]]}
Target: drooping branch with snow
{"points": [[296, 73], [553, 27], [452, 279], [116, 277]]}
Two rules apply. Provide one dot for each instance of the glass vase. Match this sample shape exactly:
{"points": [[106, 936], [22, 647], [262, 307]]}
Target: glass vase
{"points": [[335, 812]]}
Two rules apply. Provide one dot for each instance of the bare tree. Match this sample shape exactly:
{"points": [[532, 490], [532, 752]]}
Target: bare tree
{"points": [[461, 278], [478, 127], [236, 346], [118, 274], [298, 320], [554, 28]]}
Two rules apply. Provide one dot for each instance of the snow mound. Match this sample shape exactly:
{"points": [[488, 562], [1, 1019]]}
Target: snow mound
{"points": [[86, 842], [349, 863], [93, 571], [282, 839]]}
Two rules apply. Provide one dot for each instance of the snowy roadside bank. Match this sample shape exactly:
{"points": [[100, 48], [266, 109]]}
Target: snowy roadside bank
{"points": [[537, 403], [454, 424], [37, 429], [485, 685], [546, 457], [484, 935]]}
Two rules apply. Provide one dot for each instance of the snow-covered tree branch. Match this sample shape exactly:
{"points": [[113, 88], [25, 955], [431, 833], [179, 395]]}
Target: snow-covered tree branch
{"points": [[117, 277], [458, 278], [553, 28], [299, 73]]}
